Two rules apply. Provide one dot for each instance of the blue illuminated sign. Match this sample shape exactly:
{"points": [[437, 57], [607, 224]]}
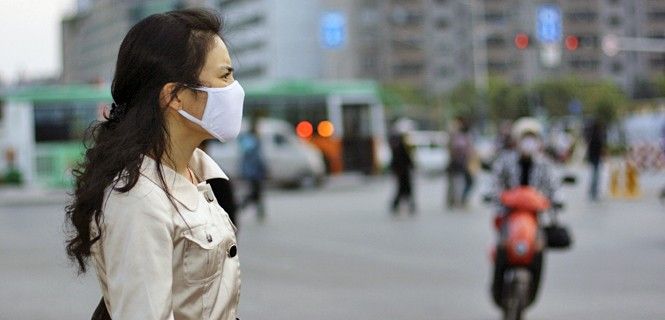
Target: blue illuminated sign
{"points": [[333, 30], [549, 25]]}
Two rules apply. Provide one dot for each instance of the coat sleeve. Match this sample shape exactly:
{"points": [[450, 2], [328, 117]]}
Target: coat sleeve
{"points": [[500, 174], [138, 250]]}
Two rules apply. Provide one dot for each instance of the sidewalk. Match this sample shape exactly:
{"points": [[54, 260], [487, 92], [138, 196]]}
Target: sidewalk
{"points": [[31, 196]]}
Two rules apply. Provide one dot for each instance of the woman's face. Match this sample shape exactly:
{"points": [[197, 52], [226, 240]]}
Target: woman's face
{"points": [[217, 72]]}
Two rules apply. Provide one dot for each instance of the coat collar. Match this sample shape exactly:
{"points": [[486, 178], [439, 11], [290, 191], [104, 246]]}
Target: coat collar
{"points": [[180, 187]]}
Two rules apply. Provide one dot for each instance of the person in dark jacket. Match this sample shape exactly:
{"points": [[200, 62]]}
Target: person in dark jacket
{"points": [[253, 168], [595, 138], [461, 149], [401, 166]]}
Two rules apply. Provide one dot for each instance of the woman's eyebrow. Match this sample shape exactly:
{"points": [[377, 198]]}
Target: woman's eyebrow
{"points": [[227, 68]]}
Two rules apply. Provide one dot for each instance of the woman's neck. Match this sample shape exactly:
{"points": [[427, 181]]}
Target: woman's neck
{"points": [[181, 148]]}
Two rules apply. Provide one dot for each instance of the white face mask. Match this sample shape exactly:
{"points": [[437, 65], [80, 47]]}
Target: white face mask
{"points": [[222, 116], [529, 146]]}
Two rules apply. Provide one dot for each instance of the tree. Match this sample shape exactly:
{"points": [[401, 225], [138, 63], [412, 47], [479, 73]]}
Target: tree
{"points": [[507, 102], [659, 86], [555, 95]]}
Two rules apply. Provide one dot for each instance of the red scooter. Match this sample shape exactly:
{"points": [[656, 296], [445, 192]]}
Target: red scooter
{"points": [[518, 255]]}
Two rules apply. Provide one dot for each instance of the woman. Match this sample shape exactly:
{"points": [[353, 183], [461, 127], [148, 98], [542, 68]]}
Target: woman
{"points": [[161, 246]]}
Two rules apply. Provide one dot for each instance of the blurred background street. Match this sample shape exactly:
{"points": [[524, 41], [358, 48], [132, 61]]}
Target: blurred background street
{"points": [[332, 253], [346, 103]]}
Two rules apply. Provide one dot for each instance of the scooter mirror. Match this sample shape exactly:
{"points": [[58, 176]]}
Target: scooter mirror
{"points": [[569, 179], [486, 166], [558, 205]]}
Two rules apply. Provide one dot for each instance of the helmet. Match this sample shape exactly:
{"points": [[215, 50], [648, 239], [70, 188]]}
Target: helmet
{"points": [[526, 125]]}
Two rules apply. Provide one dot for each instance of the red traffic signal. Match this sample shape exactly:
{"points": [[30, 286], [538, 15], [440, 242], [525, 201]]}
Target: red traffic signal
{"points": [[572, 43], [522, 40]]}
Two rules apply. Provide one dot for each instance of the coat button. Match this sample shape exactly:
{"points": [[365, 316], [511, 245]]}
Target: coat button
{"points": [[210, 197], [233, 251]]}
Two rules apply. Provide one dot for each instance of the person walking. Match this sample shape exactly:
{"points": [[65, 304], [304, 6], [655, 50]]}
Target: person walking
{"points": [[401, 165], [142, 211], [460, 177], [596, 139], [253, 169]]}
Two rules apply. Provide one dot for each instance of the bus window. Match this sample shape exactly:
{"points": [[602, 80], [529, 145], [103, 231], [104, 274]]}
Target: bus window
{"points": [[62, 121], [279, 140]]}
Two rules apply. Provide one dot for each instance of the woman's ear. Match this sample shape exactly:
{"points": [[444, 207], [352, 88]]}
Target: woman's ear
{"points": [[169, 98]]}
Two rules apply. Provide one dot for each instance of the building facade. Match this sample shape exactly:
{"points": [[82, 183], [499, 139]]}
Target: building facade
{"points": [[428, 44], [92, 36]]}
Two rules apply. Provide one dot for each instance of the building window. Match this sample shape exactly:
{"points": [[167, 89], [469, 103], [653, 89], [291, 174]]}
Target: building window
{"points": [[657, 34], [445, 48], [251, 72], [615, 21], [225, 4], [657, 63], [445, 72], [408, 44], [582, 16], [248, 47], [584, 64], [497, 66], [617, 67], [495, 17], [589, 41], [248, 22], [442, 23], [495, 41], [63, 121], [408, 69], [404, 17], [656, 16]]}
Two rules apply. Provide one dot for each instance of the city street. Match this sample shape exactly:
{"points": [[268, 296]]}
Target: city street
{"points": [[337, 253]]}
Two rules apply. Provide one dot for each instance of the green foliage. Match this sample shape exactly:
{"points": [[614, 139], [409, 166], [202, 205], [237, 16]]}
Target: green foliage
{"points": [[506, 101], [555, 95], [659, 86], [397, 96], [604, 100], [463, 100]]}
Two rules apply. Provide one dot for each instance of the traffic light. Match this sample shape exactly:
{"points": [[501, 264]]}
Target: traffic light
{"points": [[521, 40], [572, 43]]}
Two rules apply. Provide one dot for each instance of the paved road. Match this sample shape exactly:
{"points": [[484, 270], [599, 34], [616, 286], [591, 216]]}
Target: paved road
{"points": [[336, 253]]}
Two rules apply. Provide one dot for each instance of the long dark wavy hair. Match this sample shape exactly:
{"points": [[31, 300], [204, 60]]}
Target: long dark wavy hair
{"points": [[163, 48]]}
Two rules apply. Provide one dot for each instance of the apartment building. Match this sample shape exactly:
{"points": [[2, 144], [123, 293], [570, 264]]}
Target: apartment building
{"points": [[428, 44]]}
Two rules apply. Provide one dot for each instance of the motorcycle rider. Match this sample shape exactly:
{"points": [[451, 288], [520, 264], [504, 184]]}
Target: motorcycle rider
{"points": [[525, 165]]}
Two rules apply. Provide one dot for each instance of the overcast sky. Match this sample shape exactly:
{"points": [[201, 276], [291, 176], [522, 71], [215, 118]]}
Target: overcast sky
{"points": [[31, 37]]}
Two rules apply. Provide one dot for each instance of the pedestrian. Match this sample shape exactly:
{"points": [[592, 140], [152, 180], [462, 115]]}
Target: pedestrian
{"points": [[12, 175], [401, 165], [595, 139], [224, 193], [253, 168], [460, 177], [142, 212]]}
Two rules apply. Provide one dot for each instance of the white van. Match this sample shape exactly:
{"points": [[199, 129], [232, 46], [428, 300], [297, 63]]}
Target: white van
{"points": [[290, 160]]}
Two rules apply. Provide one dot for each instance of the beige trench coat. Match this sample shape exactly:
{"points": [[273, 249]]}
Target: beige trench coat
{"points": [[156, 263]]}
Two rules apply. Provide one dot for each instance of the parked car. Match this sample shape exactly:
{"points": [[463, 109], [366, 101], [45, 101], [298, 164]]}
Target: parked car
{"points": [[430, 152], [290, 160]]}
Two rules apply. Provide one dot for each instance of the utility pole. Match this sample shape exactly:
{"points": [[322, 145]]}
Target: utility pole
{"points": [[479, 48]]}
